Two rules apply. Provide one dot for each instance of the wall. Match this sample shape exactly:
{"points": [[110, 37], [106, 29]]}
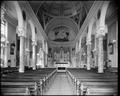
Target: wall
{"points": [[11, 39], [112, 36]]}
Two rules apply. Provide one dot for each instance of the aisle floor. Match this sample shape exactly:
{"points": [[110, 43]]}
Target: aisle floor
{"points": [[60, 86]]}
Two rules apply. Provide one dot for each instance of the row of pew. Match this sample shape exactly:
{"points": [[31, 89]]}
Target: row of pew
{"points": [[90, 83], [33, 82], [8, 70]]}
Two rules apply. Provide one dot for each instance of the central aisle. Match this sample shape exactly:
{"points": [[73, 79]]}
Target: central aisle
{"points": [[60, 86]]}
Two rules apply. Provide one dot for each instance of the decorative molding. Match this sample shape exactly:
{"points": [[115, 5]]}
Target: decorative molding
{"points": [[20, 31], [34, 43], [101, 31]]}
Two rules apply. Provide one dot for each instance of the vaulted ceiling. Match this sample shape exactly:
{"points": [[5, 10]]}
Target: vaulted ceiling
{"points": [[62, 15], [65, 16]]}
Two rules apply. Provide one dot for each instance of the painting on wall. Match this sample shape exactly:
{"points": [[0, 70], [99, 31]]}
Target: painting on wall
{"points": [[111, 48], [61, 34], [12, 48]]}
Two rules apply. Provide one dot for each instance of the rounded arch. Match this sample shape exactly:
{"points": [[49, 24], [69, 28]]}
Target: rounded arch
{"points": [[90, 27], [32, 30], [62, 21], [94, 27], [19, 14], [103, 13]]}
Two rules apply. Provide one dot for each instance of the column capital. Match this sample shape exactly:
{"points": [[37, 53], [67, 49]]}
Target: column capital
{"points": [[94, 50], [34, 43], [101, 31], [88, 42], [6, 43], [27, 51], [20, 31]]}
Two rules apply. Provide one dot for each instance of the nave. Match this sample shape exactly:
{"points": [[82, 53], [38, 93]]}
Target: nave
{"points": [[60, 85], [51, 81], [59, 47]]}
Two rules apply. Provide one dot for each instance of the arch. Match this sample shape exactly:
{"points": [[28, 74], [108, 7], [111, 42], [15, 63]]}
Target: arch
{"points": [[62, 21], [19, 14], [103, 13], [90, 26], [32, 30]]}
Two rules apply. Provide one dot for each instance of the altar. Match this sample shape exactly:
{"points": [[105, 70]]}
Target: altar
{"points": [[61, 58]]}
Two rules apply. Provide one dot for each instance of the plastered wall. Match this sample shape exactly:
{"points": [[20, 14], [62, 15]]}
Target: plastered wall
{"points": [[112, 35], [12, 39]]}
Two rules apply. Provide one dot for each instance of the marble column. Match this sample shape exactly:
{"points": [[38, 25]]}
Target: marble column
{"points": [[43, 63], [96, 53], [100, 55], [88, 55], [6, 54], [34, 55], [20, 32], [28, 57], [100, 34]]}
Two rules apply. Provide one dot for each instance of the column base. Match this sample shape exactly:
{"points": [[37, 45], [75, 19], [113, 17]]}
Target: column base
{"points": [[34, 68], [100, 71], [88, 68], [21, 71]]}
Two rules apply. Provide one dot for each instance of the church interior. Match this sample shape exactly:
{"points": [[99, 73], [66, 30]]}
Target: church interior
{"points": [[59, 47]]}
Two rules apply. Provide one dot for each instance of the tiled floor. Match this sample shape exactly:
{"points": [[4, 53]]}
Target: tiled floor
{"points": [[60, 86]]}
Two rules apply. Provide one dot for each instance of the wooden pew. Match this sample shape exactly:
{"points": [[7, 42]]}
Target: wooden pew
{"points": [[31, 85], [15, 91], [102, 91], [88, 84], [8, 70], [94, 81], [22, 80]]}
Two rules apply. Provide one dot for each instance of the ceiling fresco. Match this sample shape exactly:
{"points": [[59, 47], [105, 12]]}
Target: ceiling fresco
{"points": [[61, 34]]}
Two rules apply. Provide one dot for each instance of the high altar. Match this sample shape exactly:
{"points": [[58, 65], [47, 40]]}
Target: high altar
{"points": [[61, 56]]}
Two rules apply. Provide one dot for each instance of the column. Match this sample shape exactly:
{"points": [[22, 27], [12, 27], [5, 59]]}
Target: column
{"points": [[100, 54], [28, 57], [6, 54], [34, 55], [40, 57], [88, 55], [80, 52], [95, 53], [100, 34], [20, 32], [43, 63]]}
